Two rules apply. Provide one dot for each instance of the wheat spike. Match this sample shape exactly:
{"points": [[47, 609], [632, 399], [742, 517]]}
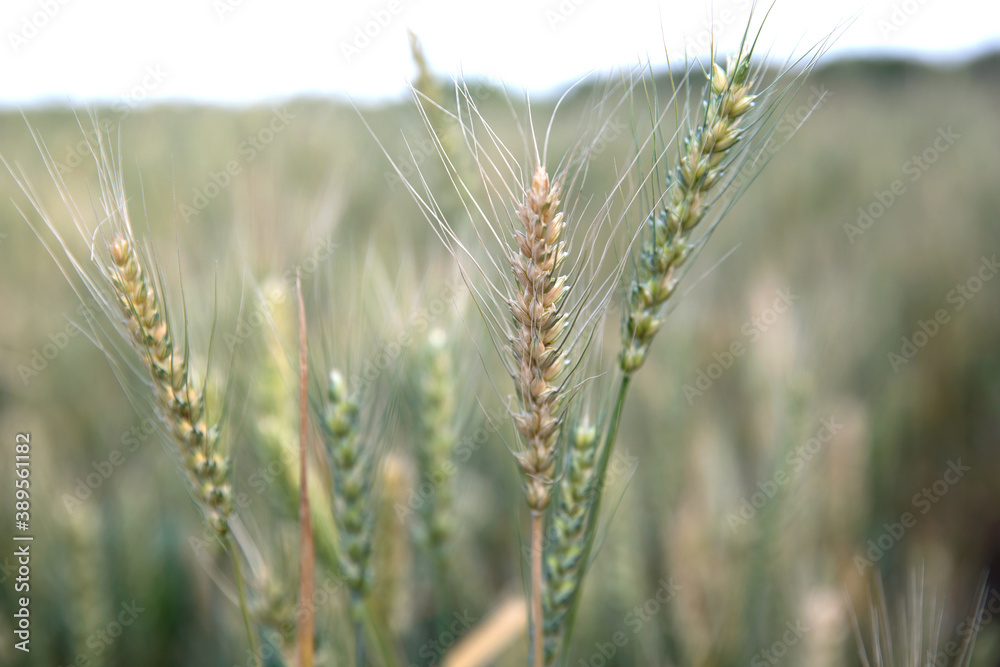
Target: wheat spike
{"points": [[180, 400], [668, 244], [568, 531], [539, 325], [351, 467], [437, 433]]}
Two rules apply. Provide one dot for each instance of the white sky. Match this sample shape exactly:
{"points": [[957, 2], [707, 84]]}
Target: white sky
{"points": [[238, 51]]}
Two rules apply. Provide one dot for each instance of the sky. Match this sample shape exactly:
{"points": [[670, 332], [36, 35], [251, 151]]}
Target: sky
{"points": [[236, 52]]}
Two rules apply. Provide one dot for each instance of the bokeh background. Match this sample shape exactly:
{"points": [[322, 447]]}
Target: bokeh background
{"points": [[765, 489]]}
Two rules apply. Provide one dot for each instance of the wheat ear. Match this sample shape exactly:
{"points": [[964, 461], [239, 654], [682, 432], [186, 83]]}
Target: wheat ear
{"points": [[351, 467], [539, 322], [568, 532], [180, 400], [273, 402], [668, 244], [666, 247], [436, 417]]}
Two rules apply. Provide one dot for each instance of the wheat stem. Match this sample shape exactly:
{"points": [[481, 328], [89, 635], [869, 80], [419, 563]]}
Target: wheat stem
{"points": [[242, 596], [537, 620], [306, 551]]}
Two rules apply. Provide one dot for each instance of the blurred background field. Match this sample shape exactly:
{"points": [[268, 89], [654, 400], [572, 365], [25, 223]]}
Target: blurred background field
{"points": [[730, 493]]}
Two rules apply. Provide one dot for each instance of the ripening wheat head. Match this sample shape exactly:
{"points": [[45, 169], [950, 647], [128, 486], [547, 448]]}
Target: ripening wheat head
{"points": [[537, 254], [136, 333]]}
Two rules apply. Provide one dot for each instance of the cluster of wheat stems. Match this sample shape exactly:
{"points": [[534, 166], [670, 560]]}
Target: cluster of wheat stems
{"points": [[542, 268]]}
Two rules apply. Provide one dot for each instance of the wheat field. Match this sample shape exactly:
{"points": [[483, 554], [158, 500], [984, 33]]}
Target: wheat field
{"points": [[539, 382]]}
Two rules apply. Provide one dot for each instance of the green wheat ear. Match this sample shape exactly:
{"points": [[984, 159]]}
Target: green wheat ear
{"points": [[436, 416], [351, 467], [275, 408], [668, 243], [564, 559]]}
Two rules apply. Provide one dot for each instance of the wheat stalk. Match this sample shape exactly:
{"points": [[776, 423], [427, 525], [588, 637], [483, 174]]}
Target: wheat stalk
{"points": [[720, 142], [542, 335], [536, 309]]}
